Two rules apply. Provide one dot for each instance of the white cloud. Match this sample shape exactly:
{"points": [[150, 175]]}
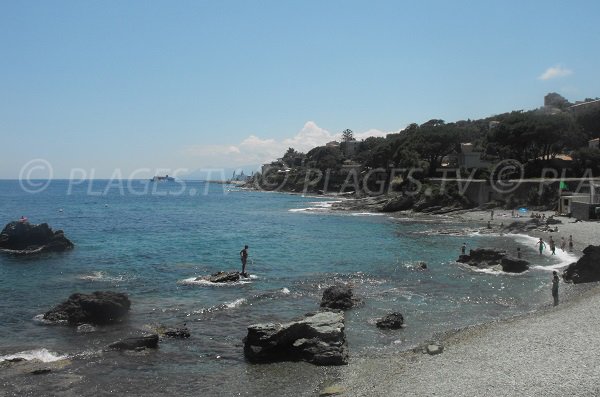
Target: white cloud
{"points": [[255, 150], [555, 72]]}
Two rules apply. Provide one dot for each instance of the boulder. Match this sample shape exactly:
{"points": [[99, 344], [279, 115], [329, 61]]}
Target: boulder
{"points": [[318, 339], [337, 297], [24, 238], [136, 342], [482, 257], [586, 269], [400, 203], [514, 265], [391, 321], [100, 307], [221, 277]]}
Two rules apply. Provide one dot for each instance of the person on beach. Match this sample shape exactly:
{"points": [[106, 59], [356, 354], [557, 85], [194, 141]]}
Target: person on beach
{"points": [[563, 244], [555, 287], [244, 258], [519, 252], [552, 246], [570, 243], [541, 245], [492, 215], [463, 249]]}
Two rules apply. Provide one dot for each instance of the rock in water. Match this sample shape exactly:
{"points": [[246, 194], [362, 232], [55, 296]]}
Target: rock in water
{"points": [[24, 238], [391, 321], [136, 342], [178, 333], [337, 297], [482, 257], [514, 265], [586, 269], [221, 277], [318, 339], [100, 307]]}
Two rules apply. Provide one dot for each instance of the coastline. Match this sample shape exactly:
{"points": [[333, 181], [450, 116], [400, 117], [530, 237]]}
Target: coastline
{"points": [[548, 351]]}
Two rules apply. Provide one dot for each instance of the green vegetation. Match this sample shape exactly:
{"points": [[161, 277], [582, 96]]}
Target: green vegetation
{"points": [[553, 137]]}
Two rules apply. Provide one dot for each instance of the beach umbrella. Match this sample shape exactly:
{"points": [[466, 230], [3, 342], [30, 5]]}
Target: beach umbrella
{"points": [[523, 210]]}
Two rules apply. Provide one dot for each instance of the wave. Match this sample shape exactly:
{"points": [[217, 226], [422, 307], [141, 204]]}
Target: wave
{"points": [[100, 276], [316, 206], [43, 355], [242, 301], [564, 258]]}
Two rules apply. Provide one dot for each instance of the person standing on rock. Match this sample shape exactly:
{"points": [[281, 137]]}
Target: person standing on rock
{"points": [[555, 287], [541, 245], [244, 259], [463, 249]]}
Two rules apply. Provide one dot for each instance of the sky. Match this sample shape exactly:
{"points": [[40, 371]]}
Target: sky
{"points": [[100, 89]]}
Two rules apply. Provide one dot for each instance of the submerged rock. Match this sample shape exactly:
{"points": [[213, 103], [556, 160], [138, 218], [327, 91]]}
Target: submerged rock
{"points": [[586, 269], [136, 343], [391, 321], [337, 297], [177, 333], [318, 339], [100, 307], [24, 238]]}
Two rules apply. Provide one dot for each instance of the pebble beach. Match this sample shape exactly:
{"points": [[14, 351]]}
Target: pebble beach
{"points": [[549, 352]]}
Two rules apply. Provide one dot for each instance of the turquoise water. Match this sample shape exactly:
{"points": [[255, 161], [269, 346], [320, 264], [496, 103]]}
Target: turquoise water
{"points": [[150, 241]]}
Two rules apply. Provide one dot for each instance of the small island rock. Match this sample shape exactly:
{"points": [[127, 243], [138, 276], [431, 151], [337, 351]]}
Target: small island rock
{"points": [[586, 269], [337, 297], [24, 238], [391, 321], [100, 307]]}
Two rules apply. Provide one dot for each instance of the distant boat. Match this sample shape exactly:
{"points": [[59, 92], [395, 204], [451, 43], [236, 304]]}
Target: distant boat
{"points": [[165, 178]]}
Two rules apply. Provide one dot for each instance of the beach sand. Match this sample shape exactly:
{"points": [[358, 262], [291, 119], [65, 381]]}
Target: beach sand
{"points": [[551, 352]]}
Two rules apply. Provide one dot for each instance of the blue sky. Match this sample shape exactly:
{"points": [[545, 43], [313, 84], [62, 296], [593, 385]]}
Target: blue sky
{"points": [[100, 86]]}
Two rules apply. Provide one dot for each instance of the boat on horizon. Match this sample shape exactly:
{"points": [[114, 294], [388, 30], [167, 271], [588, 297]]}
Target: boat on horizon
{"points": [[165, 178]]}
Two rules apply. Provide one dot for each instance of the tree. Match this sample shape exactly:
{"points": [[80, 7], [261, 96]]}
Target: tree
{"points": [[347, 135]]}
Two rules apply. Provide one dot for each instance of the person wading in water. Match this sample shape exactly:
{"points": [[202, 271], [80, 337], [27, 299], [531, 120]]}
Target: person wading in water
{"points": [[244, 258]]}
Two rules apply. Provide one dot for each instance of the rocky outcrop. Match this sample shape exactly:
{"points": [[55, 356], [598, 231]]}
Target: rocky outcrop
{"points": [[399, 203], [136, 342], [221, 277], [318, 339], [514, 265], [24, 238], [337, 297], [391, 321], [100, 307], [489, 257], [586, 269]]}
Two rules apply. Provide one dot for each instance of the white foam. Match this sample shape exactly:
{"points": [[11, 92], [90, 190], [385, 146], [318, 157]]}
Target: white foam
{"points": [[236, 303], [367, 214], [43, 355], [564, 257], [207, 283], [285, 291], [40, 319], [99, 276]]}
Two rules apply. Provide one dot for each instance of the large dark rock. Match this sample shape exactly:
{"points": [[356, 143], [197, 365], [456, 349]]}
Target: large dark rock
{"points": [[391, 321], [318, 339], [136, 342], [337, 297], [482, 257], [514, 265], [178, 333], [100, 307], [400, 203], [24, 238], [586, 269], [221, 277]]}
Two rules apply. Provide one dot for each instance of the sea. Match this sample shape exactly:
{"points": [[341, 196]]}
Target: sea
{"points": [[152, 240]]}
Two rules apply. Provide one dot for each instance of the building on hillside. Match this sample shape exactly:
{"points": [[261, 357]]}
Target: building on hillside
{"points": [[582, 205], [584, 105], [471, 158], [594, 143], [349, 147], [332, 144]]}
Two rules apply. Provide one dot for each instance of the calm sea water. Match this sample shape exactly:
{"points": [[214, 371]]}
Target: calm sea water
{"points": [[151, 241]]}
